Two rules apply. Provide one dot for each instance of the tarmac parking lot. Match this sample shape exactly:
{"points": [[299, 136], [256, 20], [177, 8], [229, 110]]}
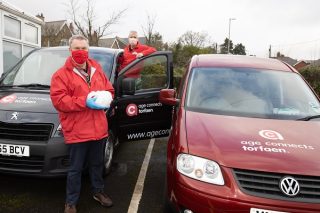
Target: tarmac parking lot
{"points": [[126, 185]]}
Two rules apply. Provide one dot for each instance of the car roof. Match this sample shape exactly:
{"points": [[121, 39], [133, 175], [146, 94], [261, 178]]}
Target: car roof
{"points": [[240, 61], [91, 48]]}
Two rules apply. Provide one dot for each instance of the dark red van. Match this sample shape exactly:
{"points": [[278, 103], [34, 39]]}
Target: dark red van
{"points": [[245, 138]]}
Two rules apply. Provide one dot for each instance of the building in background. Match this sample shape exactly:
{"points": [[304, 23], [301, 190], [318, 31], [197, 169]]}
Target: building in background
{"points": [[117, 42], [56, 33], [301, 64], [298, 65], [19, 34]]}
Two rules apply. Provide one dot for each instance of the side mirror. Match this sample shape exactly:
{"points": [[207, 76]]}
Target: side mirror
{"points": [[167, 96], [128, 86]]}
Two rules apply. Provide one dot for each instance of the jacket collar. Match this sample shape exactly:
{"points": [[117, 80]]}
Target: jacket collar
{"points": [[70, 66], [136, 47]]}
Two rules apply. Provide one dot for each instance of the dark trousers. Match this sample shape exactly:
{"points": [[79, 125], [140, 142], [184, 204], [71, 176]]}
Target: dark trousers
{"points": [[90, 153]]}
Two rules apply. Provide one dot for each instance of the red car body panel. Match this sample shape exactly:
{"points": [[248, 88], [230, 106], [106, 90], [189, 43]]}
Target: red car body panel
{"points": [[235, 142], [202, 197], [227, 140], [239, 61], [223, 146]]}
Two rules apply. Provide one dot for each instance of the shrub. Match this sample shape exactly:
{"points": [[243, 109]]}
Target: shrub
{"points": [[312, 76]]}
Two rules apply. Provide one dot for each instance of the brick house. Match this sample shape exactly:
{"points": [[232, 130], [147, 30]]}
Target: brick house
{"points": [[56, 33], [300, 64]]}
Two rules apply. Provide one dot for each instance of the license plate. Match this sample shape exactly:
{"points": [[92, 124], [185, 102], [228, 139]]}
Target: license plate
{"points": [[253, 210], [15, 150]]}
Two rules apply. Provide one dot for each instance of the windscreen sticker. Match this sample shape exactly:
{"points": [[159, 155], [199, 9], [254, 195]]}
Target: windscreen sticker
{"points": [[286, 111], [314, 107]]}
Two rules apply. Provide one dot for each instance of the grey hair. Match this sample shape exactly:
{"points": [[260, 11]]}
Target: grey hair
{"points": [[77, 37], [133, 32]]}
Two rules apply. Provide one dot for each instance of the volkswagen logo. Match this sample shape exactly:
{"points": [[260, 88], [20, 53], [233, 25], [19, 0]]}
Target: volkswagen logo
{"points": [[289, 186]]}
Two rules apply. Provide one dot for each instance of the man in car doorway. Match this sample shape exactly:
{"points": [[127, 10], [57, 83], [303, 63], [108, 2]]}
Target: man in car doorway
{"points": [[84, 123], [134, 50]]}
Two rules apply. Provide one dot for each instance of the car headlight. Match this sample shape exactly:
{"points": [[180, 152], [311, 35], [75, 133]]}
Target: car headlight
{"points": [[200, 169], [58, 132]]}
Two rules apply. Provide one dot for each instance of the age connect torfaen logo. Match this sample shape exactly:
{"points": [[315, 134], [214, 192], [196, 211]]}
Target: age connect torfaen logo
{"points": [[8, 99], [270, 134], [132, 110]]}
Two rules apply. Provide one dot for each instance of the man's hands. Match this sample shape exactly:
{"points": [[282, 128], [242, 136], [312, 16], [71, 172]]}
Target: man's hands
{"points": [[91, 103], [99, 100], [138, 55]]}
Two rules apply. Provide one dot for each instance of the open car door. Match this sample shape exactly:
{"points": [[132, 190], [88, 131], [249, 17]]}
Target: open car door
{"points": [[139, 114]]}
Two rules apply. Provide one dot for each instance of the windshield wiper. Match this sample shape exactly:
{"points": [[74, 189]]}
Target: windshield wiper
{"points": [[7, 86], [308, 118], [32, 85]]}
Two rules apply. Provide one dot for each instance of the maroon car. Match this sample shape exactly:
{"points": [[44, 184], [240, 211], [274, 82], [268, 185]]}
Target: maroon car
{"points": [[245, 138]]}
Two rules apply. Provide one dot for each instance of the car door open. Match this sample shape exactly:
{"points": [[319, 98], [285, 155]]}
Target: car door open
{"points": [[139, 112]]}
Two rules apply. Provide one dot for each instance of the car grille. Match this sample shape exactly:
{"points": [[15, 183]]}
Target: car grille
{"points": [[25, 131], [32, 164], [266, 184]]}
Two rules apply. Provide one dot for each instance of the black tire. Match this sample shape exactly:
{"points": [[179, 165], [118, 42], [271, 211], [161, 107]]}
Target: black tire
{"points": [[108, 155]]}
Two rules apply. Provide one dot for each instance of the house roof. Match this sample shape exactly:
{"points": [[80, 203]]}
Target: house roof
{"points": [[19, 12], [117, 42], [106, 42], [286, 59], [53, 27], [301, 61]]}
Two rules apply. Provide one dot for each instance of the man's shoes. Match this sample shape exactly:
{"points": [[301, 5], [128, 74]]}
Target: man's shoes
{"points": [[68, 208], [103, 199]]}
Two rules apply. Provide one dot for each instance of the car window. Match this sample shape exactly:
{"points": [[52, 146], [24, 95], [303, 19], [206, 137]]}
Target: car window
{"points": [[150, 73], [104, 59], [39, 66], [250, 92]]}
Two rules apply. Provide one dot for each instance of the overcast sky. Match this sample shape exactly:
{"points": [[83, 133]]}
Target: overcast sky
{"points": [[290, 26]]}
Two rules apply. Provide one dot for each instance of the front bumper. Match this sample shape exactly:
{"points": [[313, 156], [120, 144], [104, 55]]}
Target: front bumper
{"points": [[47, 159], [199, 197]]}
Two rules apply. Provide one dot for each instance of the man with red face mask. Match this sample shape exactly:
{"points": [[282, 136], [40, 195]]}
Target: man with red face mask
{"points": [[84, 123], [134, 50]]}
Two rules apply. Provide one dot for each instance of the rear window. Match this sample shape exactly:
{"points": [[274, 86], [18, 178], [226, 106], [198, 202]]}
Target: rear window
{"points": [[250, 93]]}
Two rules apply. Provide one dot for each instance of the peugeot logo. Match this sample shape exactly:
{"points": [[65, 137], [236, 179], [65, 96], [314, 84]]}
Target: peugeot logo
{"points": [[14, 116], [289, 186]]}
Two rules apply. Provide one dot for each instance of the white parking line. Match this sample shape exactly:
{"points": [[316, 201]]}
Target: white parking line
{"points": [[138, 189]]}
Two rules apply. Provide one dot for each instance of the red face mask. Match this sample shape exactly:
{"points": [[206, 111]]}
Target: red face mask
{"points": [[79, 56]]}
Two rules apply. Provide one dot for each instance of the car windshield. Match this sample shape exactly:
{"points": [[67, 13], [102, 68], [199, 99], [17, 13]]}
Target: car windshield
{"points": [[250, 93], [38, 67]]}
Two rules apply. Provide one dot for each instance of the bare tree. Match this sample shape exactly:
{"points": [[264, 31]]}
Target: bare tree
{"points": [[85, 21], [195, 39], [49, 34], [148, 29], [152, 38]]}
